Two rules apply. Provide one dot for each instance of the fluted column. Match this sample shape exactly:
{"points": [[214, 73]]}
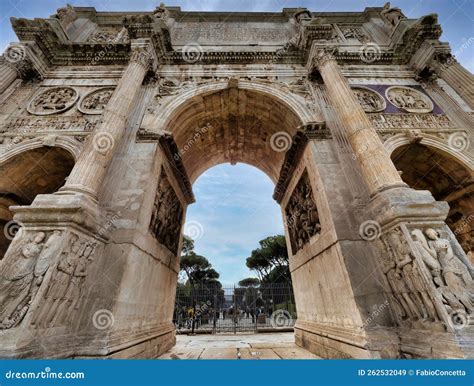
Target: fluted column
{"points": [[90, 169], [376, 166], [460, 79], [8, 73]]}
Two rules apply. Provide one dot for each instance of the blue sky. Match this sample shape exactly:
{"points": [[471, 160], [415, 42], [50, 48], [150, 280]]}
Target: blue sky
{"points": [[456, 16], [235, 208], [234, 203]]}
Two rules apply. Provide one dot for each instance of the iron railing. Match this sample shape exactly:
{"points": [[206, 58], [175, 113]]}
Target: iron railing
{"points": [[232, 309]]}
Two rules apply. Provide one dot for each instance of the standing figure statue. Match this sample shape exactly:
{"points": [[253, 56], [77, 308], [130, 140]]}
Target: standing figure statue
{"points": [[16, 279], [449, 273]]}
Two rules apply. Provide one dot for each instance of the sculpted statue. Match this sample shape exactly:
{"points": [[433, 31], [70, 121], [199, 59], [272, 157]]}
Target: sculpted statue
{"points": [[66, 15], [66, 288], [45, 260], [161, 12], [401, 292], [75, 290], [416, 290], [449, 273], [391, 14], [16, 280], [302, 215]]}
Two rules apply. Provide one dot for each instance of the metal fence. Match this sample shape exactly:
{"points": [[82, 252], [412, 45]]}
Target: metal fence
{"points": [[232, 309]]}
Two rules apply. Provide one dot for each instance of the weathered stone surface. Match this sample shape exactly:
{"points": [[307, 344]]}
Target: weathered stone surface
{"points": [[362, 120]]}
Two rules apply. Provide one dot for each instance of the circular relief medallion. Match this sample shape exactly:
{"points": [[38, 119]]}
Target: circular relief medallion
{"points": [[53, 101], [370, 100], [95, 101], [409, 99]]}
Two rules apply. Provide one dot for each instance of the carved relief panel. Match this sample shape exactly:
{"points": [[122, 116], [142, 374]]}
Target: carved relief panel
{"points": [[167, 215], [371, 101], [409, 99], [430, 281], [302, 216], [96, 101], [53, 101], [25, 269], [25, 272], [65, 291]]}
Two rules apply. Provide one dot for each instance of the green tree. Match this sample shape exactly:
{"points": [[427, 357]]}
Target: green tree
{"points": [[188, 245], [198, 269], [270, 260], [249, 282]]}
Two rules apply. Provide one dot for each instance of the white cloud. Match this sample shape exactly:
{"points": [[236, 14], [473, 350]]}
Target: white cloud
{"points": [[235, 207]]}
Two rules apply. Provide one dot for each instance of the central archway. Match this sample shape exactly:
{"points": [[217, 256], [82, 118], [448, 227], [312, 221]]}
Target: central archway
{"points": [[250, 123]]}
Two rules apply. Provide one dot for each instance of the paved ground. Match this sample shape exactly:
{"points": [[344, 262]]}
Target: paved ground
{"points": [[228, 346]]}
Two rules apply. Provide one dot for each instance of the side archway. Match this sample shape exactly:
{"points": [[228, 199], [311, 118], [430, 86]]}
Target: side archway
{"points": [[448, 178], [24, 175]]}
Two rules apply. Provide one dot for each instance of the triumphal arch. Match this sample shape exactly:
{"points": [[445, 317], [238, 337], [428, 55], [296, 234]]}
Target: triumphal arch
{"points": [[362, 120]]}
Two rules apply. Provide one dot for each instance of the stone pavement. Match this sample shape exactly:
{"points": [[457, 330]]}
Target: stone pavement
{"points": [[228, 346]]}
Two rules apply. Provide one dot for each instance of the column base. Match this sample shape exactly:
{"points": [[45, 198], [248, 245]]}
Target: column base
{"points": [[57, 344], [406, 204], [68, 209]]}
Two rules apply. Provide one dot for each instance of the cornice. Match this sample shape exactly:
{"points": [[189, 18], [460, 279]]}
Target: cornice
{"points": [[52, 41], [171, 152], [291, 161]]}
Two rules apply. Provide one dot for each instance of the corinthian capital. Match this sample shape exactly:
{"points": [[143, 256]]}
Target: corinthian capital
{"points": [[321, 55], [142, 54], [15, 57]]}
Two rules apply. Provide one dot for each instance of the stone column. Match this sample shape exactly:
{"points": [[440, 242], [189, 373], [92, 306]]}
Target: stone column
{"points": [[89, 171], [460, 79], [376, 167], [8, 74]]}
